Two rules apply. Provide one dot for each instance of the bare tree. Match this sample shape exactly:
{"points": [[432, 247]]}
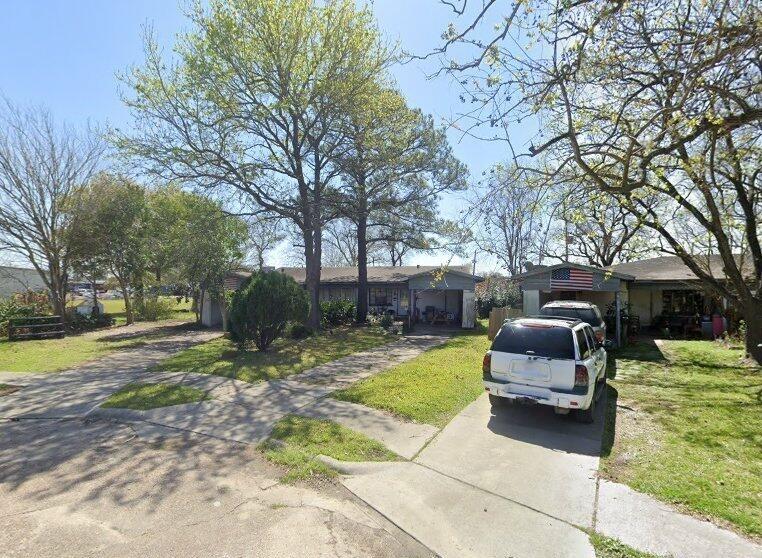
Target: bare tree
{"points": [[40, 164], [645, 99], [594, 228], [510, 215], [264, 235]]}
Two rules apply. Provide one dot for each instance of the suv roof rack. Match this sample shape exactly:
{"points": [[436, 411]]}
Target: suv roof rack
{"points": [[558, 318]]}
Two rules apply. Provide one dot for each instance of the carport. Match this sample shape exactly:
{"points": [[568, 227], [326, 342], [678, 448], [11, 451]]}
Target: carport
{"points": [[571, 281]]}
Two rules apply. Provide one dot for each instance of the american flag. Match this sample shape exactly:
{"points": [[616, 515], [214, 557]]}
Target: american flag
{"points": [[571, 278]]}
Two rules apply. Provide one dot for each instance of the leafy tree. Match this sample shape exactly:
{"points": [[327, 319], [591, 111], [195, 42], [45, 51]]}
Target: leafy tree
{"points": [[110, 214], [646, 100], [213, 245], [262, 307], [257, 103], [40, 165], [396, 165]]}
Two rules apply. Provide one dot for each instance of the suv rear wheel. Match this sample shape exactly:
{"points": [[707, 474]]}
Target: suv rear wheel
{"points": [[496, 401], [586, 416]]}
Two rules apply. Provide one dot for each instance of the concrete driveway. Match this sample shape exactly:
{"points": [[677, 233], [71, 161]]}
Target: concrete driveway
{"points": [[526, 454], [516, 482]]}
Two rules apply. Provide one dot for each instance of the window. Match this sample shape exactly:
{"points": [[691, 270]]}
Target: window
{"points": [[378, 297], [682, 302], [542, 340], [591, 338], [587, 315], [584, 347]]}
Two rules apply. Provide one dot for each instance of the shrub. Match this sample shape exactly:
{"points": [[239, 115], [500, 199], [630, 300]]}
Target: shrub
{"points": [[83, 322], [496, 292], [387, 320], [337, 312], [22, 305], [153, 308], [299, 331], [262, 307]]}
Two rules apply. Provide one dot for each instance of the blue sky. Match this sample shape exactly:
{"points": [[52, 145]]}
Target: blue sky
{"points": [[65, 54]]}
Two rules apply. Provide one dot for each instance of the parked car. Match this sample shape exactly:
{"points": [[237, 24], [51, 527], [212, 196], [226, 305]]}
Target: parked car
{"points": [[550, 361], [585, 311]]}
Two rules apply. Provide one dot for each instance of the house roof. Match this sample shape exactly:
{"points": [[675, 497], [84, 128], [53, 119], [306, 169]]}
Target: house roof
{"points": [[376, 274], [672, 268], [539, 270]]}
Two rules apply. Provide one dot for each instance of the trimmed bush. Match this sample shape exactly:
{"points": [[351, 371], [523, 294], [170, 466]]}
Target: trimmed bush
{"points": [[337, 312], [263, 306]]}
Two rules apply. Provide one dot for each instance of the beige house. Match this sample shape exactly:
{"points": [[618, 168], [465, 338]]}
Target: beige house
{"points": [[661, 288], [431, 294]]}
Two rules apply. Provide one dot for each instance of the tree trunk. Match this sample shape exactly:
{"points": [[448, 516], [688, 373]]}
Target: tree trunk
{"points": [[312, 278], [362, 269], [127, 301], [57, 286], [753, 319]]}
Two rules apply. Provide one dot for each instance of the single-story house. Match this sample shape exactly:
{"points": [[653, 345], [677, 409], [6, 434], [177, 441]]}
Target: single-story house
{"points": [[655, 289], [19, 279], [431, 294]]}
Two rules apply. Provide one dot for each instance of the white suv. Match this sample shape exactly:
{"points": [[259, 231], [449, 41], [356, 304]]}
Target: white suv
{"points": [[550, 361]]}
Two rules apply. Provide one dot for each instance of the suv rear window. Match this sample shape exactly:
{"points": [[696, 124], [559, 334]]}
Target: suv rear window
{"points": [[545, 341], [587, 315]]}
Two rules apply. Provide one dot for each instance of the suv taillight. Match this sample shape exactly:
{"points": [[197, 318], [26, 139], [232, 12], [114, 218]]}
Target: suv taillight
{"points": [[580, 375], [600, 336], [486, 366]]}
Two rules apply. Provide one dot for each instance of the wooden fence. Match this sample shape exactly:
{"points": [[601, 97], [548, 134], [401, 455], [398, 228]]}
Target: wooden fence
{"points": [[497, 316], [37, 327]]}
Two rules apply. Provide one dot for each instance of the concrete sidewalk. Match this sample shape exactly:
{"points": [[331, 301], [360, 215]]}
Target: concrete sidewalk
{"points": [[74, 393], [246, 413]]}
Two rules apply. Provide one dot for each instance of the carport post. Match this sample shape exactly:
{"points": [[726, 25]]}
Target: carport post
{"points": [[618, 299]]}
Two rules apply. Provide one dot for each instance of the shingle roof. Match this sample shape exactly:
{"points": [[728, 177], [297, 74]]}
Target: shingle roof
{"points": [[672, 268], [376, 274]]}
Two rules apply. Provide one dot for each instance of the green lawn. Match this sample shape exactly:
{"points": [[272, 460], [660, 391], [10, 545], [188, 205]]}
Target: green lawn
{"points": [[688, 429], [606, 547], [431, 388], [50, 355], [142, 397], [115, 307], [302, 439], [283, 358]]}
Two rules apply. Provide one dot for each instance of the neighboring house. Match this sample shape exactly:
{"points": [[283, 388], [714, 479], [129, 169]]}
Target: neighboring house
{"points": [[430, 294], [19, 279], [660, 287]]}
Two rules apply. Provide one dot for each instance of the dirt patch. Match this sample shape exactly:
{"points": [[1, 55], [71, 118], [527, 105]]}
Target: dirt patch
{"points": [[636, 431]]}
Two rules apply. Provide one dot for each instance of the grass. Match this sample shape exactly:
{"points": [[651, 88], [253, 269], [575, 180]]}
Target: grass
{"points": [[431, 388], [141, 397], [51, 355], [688, 429], [606, 547], [115, 307], [284, 357], [300, 440]]}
